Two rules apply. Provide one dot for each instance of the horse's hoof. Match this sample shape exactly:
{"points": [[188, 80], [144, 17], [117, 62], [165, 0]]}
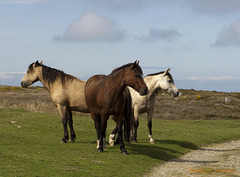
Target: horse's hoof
{"points": [[100, 150], [71, 140], [112, 144], [124, 153], [152, 142], [134, 141], [64, 141]]}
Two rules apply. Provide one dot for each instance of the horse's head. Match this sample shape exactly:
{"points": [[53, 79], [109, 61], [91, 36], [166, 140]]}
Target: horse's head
{"points": [[133, 78], [167, 84], [32, 74]]}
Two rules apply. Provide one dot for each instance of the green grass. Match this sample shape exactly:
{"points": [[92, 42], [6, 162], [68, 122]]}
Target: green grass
{"points": [[31, 146]]}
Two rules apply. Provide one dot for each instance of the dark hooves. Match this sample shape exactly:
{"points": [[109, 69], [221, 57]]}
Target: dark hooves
{"points": [[64, 141], [100, 150], [72, 140], [124, 153]]}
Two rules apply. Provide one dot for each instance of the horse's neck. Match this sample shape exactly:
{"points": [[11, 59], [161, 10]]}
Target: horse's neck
{"points": [[46, 84], [152, 84], [119, 87]]}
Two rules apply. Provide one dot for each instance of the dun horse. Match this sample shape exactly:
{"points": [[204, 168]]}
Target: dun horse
{"points": [[142, 104], [104, 97], [66, 91]]}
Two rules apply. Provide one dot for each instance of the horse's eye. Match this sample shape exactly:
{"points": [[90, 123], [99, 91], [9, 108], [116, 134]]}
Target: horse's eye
{"points": [[170, 81], [27, 71]]}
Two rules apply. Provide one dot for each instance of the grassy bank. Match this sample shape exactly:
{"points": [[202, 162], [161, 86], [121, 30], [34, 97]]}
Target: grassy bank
{"points": [[31, 146]]}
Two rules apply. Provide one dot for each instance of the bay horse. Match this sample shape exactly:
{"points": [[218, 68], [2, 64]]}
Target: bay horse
{"points": [[141, 104], [67, 94], [104, 96]]}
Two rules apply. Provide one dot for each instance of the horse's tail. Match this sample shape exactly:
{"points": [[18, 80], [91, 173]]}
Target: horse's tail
{"points": [[127, 115]]}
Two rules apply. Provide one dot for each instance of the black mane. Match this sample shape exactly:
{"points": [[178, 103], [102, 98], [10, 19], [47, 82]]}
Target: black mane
{"points": [[50, 75], [127, 65]]}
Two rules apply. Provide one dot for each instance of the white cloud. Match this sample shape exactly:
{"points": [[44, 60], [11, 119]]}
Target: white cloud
{"points": [[161, 34], [10, 75], [217, 78], [6, 77], [11, 78], [92, 26], [230, 36]]}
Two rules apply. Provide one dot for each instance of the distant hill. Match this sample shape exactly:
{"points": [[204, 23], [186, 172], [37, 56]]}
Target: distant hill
{"points": [[190, 104]]}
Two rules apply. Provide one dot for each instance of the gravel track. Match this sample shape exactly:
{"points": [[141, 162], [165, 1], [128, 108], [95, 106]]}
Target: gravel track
{"points": [[217, 160]]}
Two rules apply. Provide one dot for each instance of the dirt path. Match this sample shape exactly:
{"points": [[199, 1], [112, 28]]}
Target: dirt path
{"points": [[215, 160]]}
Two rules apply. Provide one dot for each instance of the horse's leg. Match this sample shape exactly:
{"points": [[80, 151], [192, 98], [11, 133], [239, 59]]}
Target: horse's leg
{"points": [[70, 123], [63, 112], [97, 122], [112, 136], [136, 124], [150, 114], [103, 131], [120, 133]]}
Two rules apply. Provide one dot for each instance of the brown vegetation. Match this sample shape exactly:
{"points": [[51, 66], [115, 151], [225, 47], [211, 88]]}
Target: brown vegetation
{"points": [[190, 104]]}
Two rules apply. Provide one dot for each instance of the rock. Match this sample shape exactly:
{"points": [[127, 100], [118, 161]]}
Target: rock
{"points": [[227, 100]]}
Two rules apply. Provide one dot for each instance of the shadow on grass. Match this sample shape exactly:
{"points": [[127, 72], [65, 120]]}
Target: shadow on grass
{"points": [[160, 153], [184, 144]]}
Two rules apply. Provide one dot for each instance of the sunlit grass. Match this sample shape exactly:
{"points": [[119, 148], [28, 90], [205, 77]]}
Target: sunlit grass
{"points": [[31, 145]]}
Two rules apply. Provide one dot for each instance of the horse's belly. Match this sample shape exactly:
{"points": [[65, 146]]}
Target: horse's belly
{"points": [[79, 105], [142, 110]]}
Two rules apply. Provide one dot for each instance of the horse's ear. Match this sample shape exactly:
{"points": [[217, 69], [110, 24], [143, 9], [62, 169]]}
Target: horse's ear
{"points": [[37, 63], [34, 64], [135, 64], [167, 71]]}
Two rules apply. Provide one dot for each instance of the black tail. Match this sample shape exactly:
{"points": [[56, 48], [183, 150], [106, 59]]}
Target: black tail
{"points": [[127, 115]]}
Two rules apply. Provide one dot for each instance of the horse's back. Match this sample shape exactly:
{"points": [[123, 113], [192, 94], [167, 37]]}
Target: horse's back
{"points": [[76, 96], [92, 84], [92, 91], [70, 94]]}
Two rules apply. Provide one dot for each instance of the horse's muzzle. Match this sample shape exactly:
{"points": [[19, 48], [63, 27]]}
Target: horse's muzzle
{"points": [[175, 94], [143, 91], [24, 85]]}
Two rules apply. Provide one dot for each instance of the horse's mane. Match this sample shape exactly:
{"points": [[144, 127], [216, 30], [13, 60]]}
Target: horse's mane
{"points": [[154, 74], [50, 75], [127, 65]]}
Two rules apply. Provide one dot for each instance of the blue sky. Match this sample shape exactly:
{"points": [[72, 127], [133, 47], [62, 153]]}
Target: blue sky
{"points": [[198, 39]]}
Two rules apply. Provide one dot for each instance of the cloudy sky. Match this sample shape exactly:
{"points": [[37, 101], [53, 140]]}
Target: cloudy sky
{"points": [[198, 39]]}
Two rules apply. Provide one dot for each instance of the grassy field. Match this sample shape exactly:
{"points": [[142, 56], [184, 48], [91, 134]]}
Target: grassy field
{"points": [[31, 146]]}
